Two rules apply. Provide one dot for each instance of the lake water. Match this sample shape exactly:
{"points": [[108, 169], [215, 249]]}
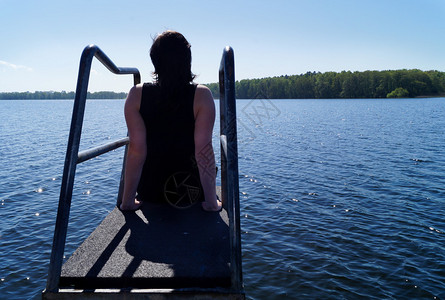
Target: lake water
{"points": [[340, 199]]}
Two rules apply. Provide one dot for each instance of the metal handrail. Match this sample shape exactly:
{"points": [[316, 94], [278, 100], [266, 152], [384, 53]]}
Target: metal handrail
{"points": [[229, 162], [93, 152], [73, 157]]}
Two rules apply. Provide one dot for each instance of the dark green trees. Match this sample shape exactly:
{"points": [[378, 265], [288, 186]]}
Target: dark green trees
{"points": [[346, 84]]}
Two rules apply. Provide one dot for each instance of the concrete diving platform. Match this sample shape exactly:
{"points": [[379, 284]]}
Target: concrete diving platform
{"points": [[160, 249]]}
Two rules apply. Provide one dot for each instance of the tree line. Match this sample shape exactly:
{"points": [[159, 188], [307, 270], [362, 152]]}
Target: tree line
{"points": [[311, 85], [50, 95], [346, 84]]}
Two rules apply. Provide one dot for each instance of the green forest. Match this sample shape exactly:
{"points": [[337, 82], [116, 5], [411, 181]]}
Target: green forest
{"points": [[346, 84], [312, 85]]}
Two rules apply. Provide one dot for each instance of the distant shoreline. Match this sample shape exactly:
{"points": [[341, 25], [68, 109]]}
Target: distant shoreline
{"points": [[63, 95], [217, 98], [66, 99], [342, 85], [311, 85], [433, 96], [243, 99]]}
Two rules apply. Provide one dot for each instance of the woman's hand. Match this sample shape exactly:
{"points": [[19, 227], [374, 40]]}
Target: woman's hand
{"points": [[130, 206], [214, 206]]}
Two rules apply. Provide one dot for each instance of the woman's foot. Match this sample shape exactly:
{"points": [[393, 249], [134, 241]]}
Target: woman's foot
{"points": [[130, 206], [215, 206]]}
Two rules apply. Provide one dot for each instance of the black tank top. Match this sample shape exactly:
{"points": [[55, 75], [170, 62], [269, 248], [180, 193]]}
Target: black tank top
{"points": [[170, 171]]}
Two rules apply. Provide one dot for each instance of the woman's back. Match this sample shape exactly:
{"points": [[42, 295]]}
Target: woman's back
{"points": [[170, 126]]}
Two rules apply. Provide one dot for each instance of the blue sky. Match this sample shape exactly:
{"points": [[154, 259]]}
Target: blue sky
{"points": [[41, 41]]}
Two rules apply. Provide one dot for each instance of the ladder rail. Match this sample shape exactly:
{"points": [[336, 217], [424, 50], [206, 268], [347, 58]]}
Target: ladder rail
{"points": [[72, 155], [229, 162]]}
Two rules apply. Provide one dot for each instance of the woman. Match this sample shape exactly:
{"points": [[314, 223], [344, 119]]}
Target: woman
{"points": [[170, 124]]}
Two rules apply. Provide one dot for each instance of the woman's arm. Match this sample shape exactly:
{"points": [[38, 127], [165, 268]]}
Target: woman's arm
{"points": [[137, 149], [204, 109]]}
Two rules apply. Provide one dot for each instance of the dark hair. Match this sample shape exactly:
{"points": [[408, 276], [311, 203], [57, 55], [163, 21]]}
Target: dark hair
{"points": [[172, 59]]}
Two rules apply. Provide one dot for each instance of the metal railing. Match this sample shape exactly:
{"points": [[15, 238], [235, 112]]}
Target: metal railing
{"points": [[229, 162], [73, 157]]}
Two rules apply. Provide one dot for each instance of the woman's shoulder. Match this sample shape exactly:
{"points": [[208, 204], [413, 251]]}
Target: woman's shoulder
{"points": [[202, 88], [203, 100], [203, 93], [135, 91], [134, 97]]}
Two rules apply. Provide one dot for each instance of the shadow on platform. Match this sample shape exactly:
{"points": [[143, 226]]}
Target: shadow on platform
{"points": [[156, 247]]}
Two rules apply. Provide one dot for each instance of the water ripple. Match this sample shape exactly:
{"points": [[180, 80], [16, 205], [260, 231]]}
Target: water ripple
{"points": [[340, 199], [344, 216]]}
